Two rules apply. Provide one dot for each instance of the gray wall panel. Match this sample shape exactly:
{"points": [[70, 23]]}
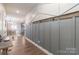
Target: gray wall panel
{"points": [[46, 35], [54, 36], [28, 31], [67, 36], [37, 34], [41, 32], [33, 32], [77, 35]]}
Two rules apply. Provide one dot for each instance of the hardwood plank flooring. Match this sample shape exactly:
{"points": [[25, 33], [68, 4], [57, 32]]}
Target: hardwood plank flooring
{"points": [[23, 47]]}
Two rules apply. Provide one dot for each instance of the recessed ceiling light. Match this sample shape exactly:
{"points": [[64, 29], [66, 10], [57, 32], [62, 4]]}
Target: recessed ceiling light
{"points": [[17, 11]]}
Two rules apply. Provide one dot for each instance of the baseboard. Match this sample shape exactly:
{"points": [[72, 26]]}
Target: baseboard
{"points": [[41, 48]]}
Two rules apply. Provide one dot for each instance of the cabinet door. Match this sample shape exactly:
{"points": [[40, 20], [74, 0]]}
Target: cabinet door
{"points": [[67, 36], [77, 35], [54, 37], [41, 32], [47, 35]]}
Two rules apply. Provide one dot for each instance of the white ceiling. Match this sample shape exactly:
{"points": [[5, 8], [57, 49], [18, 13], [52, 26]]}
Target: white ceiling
{"points": [[37, 11], [24, 8]]}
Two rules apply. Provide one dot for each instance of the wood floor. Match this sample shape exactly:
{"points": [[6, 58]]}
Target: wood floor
{"points": [[23, 47]]}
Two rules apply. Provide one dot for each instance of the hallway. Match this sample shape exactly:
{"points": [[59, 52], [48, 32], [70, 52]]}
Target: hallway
{"points": [[43, 28], [22, 47]]}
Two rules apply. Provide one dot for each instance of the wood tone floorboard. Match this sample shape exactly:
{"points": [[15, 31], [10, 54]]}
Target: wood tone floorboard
{"points": [[23, 47]]}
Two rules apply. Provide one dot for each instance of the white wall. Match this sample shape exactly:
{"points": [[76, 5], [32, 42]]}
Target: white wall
{"points": [[10, 18], [2, 19], [74, 9], [43, 11]]}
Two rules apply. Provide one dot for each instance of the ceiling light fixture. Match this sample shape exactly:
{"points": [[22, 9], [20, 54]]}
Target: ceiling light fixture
{"points": [[17, 11]]}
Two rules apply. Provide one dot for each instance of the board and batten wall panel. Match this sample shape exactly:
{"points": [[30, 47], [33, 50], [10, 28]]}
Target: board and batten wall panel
{"points": [[54, 36], [67, 36], [36, 32], [47, 35], [29, 31], [38, 37], [26, 31], [33, 32], [77, 35], [58, 36], [41, 32]]}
